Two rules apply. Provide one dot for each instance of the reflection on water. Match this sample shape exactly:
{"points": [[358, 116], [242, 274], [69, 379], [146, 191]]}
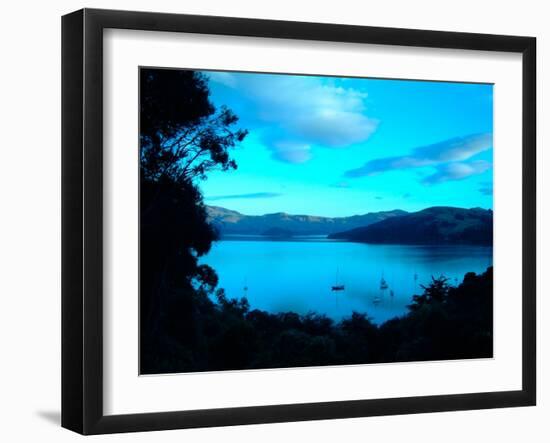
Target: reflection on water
{"points": [[298, 276]]}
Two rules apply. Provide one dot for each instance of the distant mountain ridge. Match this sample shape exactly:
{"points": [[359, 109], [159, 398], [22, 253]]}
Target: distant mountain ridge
{"points": [[435, 225], [234, 223]]}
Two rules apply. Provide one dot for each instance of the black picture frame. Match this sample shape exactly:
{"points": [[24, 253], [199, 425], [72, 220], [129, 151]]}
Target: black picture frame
{"points": [[82, 218]]}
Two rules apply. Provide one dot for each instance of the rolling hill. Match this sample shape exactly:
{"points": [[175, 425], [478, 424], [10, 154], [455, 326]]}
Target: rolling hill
{"points": [[230, 222], [435, 225]]}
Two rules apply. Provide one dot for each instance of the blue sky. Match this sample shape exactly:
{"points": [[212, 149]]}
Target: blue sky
{"points": [[342, 146]]}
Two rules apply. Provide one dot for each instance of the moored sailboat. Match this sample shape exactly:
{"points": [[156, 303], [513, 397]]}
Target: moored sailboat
{"points": [[337, 286]]}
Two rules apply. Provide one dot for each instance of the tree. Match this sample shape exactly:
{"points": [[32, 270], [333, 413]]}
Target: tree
{"points": [[182, 135], [436, 292]]}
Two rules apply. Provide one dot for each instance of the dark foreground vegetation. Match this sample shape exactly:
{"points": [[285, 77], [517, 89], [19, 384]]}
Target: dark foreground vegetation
{"points": [[443, 323], [186, 324]]}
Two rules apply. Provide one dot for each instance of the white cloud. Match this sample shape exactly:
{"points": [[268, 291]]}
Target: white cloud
{"points": [[291, 152], [456, 171], [451, 150], [301, 112]]}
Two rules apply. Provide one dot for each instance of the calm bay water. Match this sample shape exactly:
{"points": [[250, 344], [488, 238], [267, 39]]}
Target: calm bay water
{"points": [[297, 275]]}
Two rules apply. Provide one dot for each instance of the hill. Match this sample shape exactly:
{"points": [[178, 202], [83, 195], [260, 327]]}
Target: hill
{"points": [[233, 222], [436, 225]]}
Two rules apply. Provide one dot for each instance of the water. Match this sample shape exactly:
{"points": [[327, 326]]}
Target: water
{"points": [[297, 275]]}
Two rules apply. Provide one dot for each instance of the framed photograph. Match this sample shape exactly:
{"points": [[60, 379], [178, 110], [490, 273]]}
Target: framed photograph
{"points": [[269, 221]]}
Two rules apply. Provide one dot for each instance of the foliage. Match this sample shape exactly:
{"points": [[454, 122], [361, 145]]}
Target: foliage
{"points": [[443, 323], [186, 324], [436, 292], [182, 136]]}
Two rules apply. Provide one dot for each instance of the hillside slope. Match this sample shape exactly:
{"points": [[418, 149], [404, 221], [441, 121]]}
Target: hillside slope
{"points": [[233, 222], [436, 225]]}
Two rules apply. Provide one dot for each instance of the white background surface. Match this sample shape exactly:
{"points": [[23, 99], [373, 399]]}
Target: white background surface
{"points": [[30, 222], [127, 393]]}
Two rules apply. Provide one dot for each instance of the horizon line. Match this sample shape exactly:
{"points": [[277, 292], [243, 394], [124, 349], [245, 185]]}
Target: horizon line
{"points": [[347, 216]]}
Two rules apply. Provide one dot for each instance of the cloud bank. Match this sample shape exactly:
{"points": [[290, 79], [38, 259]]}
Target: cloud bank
{"points": [[296, 113], [447, 157]]}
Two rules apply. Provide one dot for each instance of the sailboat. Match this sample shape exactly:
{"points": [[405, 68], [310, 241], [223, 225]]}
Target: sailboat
{"points": [[336, 286], [383, 284]]}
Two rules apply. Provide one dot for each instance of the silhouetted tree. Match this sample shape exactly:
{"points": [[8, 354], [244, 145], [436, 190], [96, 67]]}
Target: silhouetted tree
{"points": [[182, 137], [222, 335], [435, 292]]}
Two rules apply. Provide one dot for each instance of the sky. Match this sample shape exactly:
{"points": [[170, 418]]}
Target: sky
{"points": [[333, 146]]}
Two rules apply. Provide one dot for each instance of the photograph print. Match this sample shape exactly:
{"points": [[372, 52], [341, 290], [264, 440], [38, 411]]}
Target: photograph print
{"points": [[298, 220]]}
